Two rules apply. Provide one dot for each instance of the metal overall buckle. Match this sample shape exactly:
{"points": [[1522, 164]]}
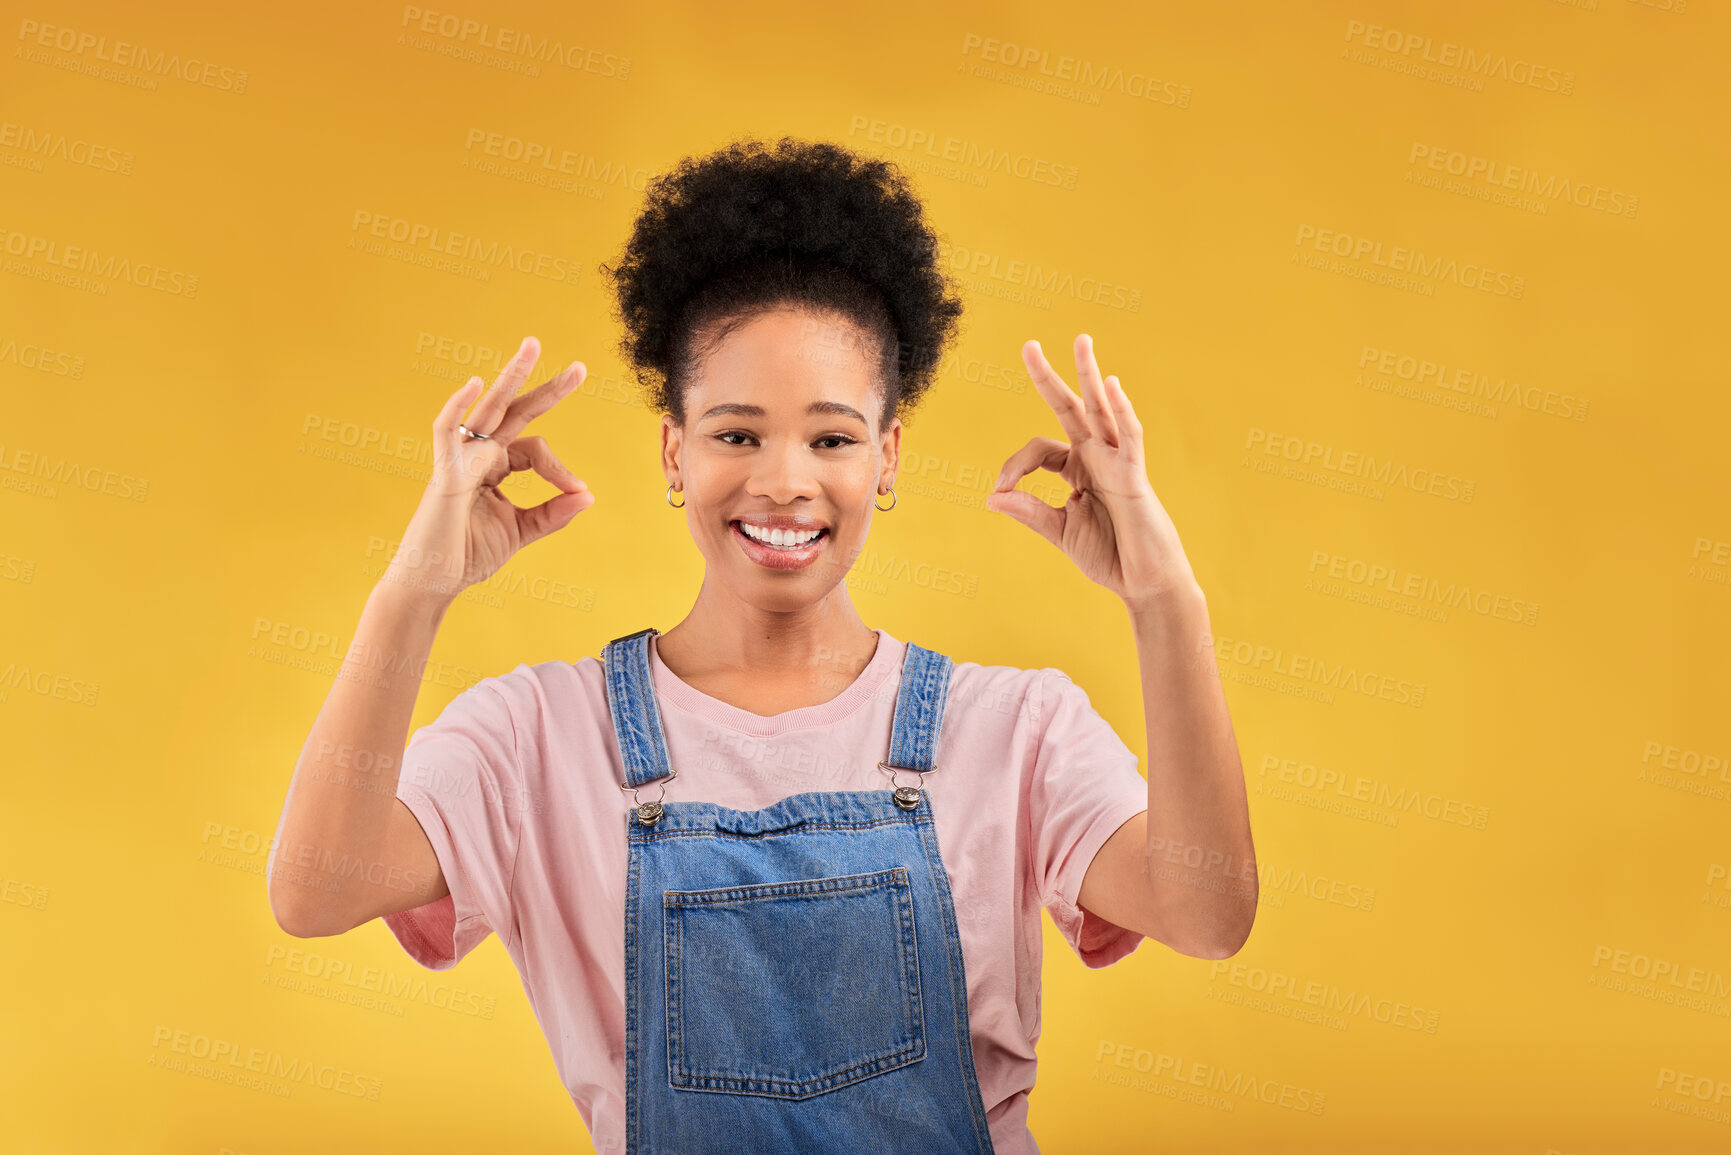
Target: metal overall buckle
{"points": [[649, 813], [907, 797]]}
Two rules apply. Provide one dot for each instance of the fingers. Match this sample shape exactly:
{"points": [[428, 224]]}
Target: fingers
{"points": [[553, 514], [1129, 428], [534, 453], [492, 407], [557, 511], [1072, 415], [540, 399], [1038, 453], [1095, 403], [1031, 512], [445, 424], [456, 468]]}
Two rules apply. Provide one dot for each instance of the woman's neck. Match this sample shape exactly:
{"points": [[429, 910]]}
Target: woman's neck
{"points": [[785, 659]]}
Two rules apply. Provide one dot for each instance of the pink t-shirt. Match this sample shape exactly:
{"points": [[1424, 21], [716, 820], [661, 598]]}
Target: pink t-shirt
{"points": [[517, 786]]}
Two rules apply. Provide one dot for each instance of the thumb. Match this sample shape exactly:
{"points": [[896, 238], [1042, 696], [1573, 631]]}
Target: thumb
{"points": [[1030, 511], [552, 515]]}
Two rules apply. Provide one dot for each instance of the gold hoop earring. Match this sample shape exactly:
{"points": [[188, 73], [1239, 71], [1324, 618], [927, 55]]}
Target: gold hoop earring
{"points": [[890, 506], [681, 505]]}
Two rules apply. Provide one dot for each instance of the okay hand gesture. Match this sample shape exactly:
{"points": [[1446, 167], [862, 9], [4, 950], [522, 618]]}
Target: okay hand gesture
{"points": [[1112, 526], [465, 529]]}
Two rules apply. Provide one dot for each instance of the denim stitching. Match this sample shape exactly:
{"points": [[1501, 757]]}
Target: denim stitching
{"points": [[793, 888], [916, 724], [645, 682], [673, 962], [633, 1056], [887, 1059], [958, 973], [636, 718], [649, 834]]}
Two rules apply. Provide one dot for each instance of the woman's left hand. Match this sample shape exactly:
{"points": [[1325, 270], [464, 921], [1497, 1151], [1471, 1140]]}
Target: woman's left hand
{"points": [[1112, 526]]}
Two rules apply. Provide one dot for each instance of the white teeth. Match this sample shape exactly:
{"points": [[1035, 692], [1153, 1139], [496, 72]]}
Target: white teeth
{"points": [[780, 538]]}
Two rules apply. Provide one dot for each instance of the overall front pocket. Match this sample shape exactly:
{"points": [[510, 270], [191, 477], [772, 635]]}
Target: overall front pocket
{"points": [[792, 989]]}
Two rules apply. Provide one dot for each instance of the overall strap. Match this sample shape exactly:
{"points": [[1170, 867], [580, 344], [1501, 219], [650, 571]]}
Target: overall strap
{"points": [[636, 717], [919, 711]]}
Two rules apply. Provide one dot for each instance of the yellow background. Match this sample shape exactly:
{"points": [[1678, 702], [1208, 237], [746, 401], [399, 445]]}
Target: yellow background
{"points": [[166, 647]]}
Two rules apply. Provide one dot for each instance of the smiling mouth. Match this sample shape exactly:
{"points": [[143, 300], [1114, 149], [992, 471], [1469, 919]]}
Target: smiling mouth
{"points": [[779, 556], [763, 540]]}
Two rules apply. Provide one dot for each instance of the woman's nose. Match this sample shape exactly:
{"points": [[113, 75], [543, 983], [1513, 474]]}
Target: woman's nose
{"points": [[782, 473]]}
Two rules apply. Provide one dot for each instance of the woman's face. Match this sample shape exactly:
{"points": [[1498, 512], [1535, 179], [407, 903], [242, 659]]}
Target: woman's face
{"points": [[780, 442]]}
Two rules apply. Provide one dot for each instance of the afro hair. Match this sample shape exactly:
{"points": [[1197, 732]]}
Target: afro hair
{"points": [[751, 227]]}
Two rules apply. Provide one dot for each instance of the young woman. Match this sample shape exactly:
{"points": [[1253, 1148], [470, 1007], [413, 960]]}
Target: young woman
{"points": [[772, 878]]}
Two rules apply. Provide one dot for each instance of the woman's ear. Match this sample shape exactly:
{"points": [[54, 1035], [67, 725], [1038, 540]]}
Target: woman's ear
{"points": [[672, 448], [892, 452]]}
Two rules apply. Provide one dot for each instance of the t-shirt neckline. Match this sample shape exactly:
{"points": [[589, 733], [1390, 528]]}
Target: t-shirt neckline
{"points": [[671, 691]]}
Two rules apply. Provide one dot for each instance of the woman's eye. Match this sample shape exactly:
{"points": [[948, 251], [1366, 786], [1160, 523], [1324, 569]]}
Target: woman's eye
{"points": [[840, 439]]}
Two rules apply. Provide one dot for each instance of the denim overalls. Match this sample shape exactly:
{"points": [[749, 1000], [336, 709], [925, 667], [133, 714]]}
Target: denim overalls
{"points": [[793, 975]]}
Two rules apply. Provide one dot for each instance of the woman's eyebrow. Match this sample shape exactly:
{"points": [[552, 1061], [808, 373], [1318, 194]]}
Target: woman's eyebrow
{"points": [[738, 409]]}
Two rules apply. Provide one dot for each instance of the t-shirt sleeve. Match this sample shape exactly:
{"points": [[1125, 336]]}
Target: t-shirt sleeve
{"points": [[461, 778], [1085, 786]]}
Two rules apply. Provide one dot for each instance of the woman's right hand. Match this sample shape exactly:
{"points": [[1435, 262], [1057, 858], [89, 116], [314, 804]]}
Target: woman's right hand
{"points": [[464, 529]]}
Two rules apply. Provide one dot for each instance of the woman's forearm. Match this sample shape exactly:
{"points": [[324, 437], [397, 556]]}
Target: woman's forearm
{"points": [[346, 849], [334, 863], [1201, 862]]}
